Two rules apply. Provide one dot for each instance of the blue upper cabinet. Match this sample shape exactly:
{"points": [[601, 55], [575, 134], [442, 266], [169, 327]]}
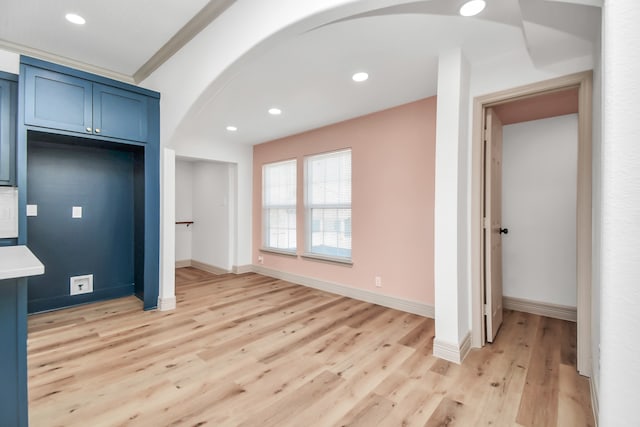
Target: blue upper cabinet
{"points": [[119, 113], [71, 108], [8, 108], [60, 101]]}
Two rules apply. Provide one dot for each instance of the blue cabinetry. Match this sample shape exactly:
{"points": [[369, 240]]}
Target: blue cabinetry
{"points": [[58, 101], [16, 264], [13, 353], [8, 107], [88, 141], [119, 113]]}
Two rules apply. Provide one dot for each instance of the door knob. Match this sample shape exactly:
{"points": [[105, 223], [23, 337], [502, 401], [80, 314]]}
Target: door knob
{"points": [[504, 231]]}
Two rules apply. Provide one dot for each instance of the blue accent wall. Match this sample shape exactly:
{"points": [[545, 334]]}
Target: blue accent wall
{"points": [[104, 179]]}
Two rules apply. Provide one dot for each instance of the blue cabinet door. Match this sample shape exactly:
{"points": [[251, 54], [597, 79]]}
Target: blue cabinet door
{"points": [[57, 101], [119, 113], [8, 107]]}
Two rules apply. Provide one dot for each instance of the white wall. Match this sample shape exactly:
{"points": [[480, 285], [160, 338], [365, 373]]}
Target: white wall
{"points": [[620, 214], [211, 214], [597, 221], [539, 175], [451, 281], [184, 208], [515, 69], [9, 62]]}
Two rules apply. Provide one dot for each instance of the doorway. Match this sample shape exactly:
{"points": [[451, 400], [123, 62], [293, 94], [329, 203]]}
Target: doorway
{"points": [[582, 83], [205, 212]]}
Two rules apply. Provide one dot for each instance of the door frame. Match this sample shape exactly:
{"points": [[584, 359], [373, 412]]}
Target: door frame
{"points": [[584, 83]]}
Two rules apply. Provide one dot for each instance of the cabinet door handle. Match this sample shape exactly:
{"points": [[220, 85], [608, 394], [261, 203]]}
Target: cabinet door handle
{"points": [[89, 130], [97, 130]]}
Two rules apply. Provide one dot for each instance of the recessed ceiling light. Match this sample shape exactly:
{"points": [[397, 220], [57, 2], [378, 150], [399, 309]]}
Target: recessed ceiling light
{"points": [[232, 128], [75, 19], [275, 111], [472, 8], [360, 77]]}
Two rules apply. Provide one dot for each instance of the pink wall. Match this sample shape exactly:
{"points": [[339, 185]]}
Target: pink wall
{"points": [[393, 167], [538, 107]]}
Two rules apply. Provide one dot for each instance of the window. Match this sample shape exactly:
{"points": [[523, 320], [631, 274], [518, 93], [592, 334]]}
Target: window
{"points": [[279, 206], [328, 204]]}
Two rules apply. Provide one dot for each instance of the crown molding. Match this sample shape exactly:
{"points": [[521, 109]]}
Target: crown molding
{"points": [[63, 60], [199, 22]]}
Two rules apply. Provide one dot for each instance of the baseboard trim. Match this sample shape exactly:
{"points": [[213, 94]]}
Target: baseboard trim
{"points": [[347, 291], [236, 269], [166, 304], [183, 263], [241, 269], [465, 347], [41, 305], [208, 267], [455, 353], [595, 403], [555, 311]]}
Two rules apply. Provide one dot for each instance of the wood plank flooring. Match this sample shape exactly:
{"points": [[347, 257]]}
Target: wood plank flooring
{"points": [[249, 350]]}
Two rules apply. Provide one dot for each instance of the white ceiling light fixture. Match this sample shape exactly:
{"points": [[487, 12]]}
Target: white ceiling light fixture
{"points": [[74, 18], [232, 128], [275, 111], [360, 77], [472, 8]]}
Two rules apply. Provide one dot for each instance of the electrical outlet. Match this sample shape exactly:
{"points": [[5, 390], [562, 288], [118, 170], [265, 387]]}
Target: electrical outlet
{"points": [[81, 284], [260, 259], [378, 281]]}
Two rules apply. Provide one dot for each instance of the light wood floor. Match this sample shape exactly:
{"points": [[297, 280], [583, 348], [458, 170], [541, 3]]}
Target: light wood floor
{"points": [[249, 350]]}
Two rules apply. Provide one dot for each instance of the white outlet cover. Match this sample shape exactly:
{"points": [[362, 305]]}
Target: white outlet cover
{"points": [[81, 284], [76, 212], [32, 210]]}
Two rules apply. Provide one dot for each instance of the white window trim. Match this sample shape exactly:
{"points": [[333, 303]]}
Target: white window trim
{"points": [[327, 258], [284, 252]]}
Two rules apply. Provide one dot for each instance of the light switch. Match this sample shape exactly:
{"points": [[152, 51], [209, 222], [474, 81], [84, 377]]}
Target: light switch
{"points": [[76, 212], [32, 210]]}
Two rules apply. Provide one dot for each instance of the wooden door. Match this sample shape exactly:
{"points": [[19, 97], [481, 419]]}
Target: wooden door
{"points": [[493, 224]]}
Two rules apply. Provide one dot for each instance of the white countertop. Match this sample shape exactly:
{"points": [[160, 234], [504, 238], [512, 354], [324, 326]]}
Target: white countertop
{"points": [[18, 261]]}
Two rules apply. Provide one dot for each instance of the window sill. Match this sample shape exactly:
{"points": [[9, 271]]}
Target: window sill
{"points": [[329, 259], [279, 252]]}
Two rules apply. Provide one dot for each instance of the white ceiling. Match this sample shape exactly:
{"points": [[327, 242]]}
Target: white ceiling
{"points": [[119, 36], [308, 76]]}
